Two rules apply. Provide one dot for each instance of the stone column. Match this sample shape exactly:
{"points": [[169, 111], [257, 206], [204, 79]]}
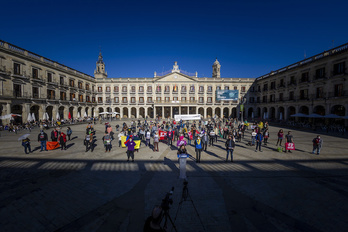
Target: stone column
{"points": [[179, 109], [163, 116], [154, 112], [204, 112], [145, 111], [54, 112]]}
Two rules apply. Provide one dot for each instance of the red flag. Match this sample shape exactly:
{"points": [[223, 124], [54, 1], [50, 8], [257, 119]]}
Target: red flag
{"points": [[69, 116]]}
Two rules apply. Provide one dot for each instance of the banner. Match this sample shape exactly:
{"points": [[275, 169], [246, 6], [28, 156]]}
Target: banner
{"points": [[137, 144], [227, 95], [123, 140], [179, 117], [162, 135], [241, 107], [290, 146], [52, 145]]}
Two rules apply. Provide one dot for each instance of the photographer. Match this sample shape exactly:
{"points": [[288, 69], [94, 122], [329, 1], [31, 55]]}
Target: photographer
{"points": [[153, 223]]}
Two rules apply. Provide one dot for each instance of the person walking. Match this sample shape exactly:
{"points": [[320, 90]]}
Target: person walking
{"points": [[42, 139], [317, 144], [205, 139], [155, 142], [198, 149], [62, 140], [88, 141], [68, 133], [289, 139], [259, 139], [280, 137], [107, 142], [26, 145], [212, 138], [130, 149], [230, 145]]}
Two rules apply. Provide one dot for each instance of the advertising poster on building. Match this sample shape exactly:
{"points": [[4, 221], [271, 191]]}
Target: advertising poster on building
{"points": [[227, 95]]}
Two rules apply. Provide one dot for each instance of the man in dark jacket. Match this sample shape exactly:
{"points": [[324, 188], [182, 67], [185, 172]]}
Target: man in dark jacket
{"points": [[42, 139], [205, 139], [62, 141], [259, 139], [170, 137], [54, 135], [230, 145]]}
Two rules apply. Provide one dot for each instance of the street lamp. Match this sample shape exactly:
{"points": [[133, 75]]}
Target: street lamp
{"points": [[242, 107]]}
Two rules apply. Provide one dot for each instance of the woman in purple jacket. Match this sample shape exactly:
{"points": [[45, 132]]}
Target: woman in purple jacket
{"points": [[130, 147]]}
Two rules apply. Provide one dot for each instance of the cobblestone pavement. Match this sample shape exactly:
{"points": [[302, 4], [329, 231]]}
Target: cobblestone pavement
{"points": [[74, 190]]}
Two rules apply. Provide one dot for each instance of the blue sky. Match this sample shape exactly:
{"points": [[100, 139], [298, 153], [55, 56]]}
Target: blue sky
{"points": [[249, 38]]}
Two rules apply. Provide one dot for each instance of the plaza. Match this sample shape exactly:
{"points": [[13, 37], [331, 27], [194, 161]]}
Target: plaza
{"points": [[74, 190]]}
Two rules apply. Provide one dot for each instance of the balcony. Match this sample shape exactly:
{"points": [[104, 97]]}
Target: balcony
{"points": [[124, 103], [177, 102]]}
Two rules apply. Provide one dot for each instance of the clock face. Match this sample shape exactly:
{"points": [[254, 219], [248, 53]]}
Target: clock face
{"points": [[175, 76]]}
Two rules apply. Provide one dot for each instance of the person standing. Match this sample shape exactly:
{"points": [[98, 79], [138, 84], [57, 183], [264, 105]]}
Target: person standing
{"points": [[230, 145], [205, 139], [253, 136], [288, 139], [265, 136], [317, 143], [198, 148], [280, 137], [240, 135], [88, 141], [54, 135], [170, 137], [155, 142], [120, 138], [107, 142], [62, 140], [148, 138], [42, 139], [130, 149], [68, 133], [212, 138], [216, 131], [259, 139], [26, 145]]}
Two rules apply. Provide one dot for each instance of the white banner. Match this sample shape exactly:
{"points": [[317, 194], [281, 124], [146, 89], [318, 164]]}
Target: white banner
{"points": [[187, 117]]}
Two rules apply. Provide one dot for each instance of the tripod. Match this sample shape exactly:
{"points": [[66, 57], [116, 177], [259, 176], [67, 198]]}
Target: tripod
{"points": [[166, 217], [185, 196]]}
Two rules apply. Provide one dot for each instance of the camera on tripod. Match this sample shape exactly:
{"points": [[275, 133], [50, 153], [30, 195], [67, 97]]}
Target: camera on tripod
{"points": [[167, 200]]}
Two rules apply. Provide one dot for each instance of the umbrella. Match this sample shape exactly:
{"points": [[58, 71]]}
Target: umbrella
{"points": [[315, 116], [29, 118], [69, 116], [47, 116], [93, 113], [300, 115], [85, 115], [345, 117], [103, 113], [332, 116], [57, 116], [33, 117], [23, 137], [78, 115]]}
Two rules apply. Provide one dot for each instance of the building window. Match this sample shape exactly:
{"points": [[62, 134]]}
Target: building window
{"points": [[292, 80], [108, 89], [218, 87], [281, 97], [320, 92], [149, 99], [158, 99], [281, 83], [209, 100], [320, 73], [201, 89], [107, 100], [166, 99], [133, 89], [305, 77], [93, 87], [50, 94], [265, 87], [210, 88], [166, 89], [141, 89], [304, 94], [192, 99], [227, 88], [80, 85], [17, 90], [264, 99], [36, 93], [159, 89], [61, 80], [175, 88], [87, 86], [116, 89], [35, 73], [258, 100], [62, 96], [132, 99], [183, 88], [291, 95], [183, 99], [192, 88], [100, 100], [88, 99], [100, 89], [93, 99], [235, 87], [338, 90], [149, 89], [251, 99], [49, 77], [71, 83], [124, 88], [80, 98], [124, 100], [272, 85], [116, 100], [201, 100], [72, 97], [243, 89], [141, 99], [339, 68], [258, 88], [16, 68], [175, 98]]}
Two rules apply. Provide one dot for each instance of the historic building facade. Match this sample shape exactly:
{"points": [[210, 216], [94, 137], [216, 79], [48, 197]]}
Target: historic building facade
{"points": [[30, 83], [317, 85]]}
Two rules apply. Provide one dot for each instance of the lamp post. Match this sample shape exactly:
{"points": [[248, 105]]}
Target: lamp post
{"points": [[242, 108]]}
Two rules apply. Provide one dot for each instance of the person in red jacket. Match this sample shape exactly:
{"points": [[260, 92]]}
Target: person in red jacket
{"points": [[62, 140]]}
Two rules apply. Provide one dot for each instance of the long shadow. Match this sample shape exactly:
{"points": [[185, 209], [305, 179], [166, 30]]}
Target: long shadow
{"points": [[213, 154], [36, 148], [70, 145], [75, 137]]}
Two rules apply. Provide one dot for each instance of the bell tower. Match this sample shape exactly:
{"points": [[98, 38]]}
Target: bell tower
{"points": [[100, 72], [216, 69]]}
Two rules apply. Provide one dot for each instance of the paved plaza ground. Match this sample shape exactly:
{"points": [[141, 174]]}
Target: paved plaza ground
{"points": [[73, 190]]}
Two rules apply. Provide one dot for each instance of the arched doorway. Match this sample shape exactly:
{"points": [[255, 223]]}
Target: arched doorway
{"points": [[118, 111], [264, 113], [79, 112], [272, 114], [35, 110], [141, 112], [281, 113], [226, 112], [258, 112], [201, 111], [209, 112], [319, 109], [338, 110], [86, 110], [150, 112], [93, 112], [234, 112], [61, 111], [304, 110], [49, 111], [125, 112], [71, 112], [250, 113], [218, 112], [17, 109], [133, 112], [291, 111]]}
